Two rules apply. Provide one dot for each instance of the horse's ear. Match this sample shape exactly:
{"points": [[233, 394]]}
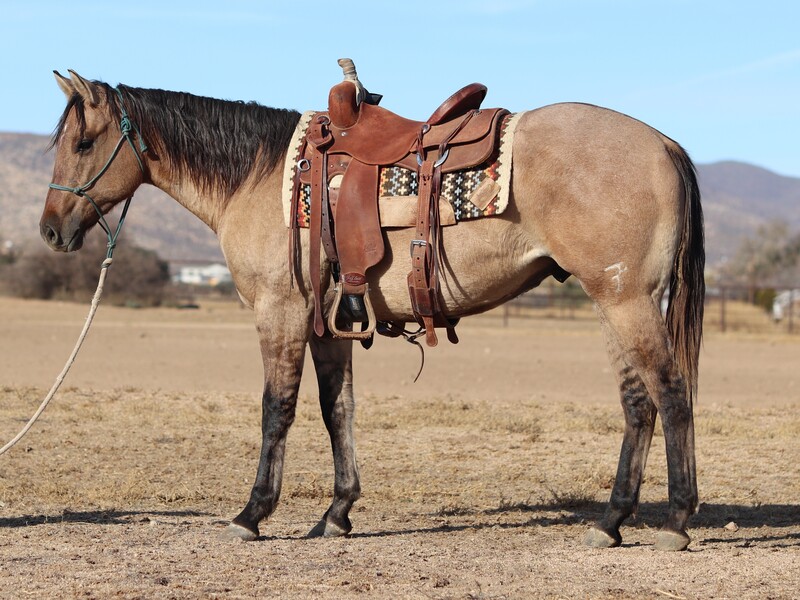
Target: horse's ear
{"points": [[88, 90], [65, 84]]}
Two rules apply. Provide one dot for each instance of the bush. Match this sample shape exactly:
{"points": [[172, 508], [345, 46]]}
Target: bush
{"points": [[137, 277], [764, 298]]}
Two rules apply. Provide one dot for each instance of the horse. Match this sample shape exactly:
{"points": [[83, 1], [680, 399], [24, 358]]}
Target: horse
{"points": [[594, 193]]}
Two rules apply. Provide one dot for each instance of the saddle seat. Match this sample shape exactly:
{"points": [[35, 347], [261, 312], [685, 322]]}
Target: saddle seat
{"points": [[374, 135], [343, 153]]}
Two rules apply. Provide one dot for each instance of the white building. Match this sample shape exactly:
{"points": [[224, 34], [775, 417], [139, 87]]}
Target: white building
{"points": [[780, 305], [211, 275]]}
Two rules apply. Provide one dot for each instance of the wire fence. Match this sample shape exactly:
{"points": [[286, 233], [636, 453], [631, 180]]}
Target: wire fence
{"points": [[727, 308], [753, 309]]}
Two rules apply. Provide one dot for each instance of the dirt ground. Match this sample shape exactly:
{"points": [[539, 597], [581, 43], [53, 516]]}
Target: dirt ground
{"points": [[479, 481]]}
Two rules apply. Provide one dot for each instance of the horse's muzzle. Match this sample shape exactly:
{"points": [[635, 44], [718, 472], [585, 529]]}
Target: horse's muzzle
{"points": [[59, 237]]}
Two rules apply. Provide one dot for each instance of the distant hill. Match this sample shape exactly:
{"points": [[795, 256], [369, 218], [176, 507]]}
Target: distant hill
{"points": [[737, 198]]}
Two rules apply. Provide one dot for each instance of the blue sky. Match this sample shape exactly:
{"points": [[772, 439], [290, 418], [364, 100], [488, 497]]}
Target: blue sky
{"points": [[720, 77]]}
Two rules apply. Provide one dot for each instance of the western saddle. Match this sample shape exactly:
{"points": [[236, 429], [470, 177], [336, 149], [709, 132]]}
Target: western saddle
{"points": [[341, 157]]}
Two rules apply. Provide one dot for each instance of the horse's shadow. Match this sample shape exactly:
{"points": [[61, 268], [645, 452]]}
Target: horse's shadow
{"points": [[711, 516], [98, 517], [649, 513]]}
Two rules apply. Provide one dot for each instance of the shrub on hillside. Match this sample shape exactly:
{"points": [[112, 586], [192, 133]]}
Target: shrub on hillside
{"points": [[137, 277]]}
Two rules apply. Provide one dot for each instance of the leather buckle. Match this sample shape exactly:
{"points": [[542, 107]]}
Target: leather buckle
{"points": [[442, 158], [417, 244], [439, 161]]}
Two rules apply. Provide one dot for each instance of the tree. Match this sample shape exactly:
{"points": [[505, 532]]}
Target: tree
{"points": [[769, 258], [136, 277]]}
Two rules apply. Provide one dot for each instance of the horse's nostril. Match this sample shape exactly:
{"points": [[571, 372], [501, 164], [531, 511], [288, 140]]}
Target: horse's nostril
{"points": [[50, 235]]}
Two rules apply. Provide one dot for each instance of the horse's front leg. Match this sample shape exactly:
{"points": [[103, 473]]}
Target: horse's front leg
{"points": [[283, 333], [333, 363]]}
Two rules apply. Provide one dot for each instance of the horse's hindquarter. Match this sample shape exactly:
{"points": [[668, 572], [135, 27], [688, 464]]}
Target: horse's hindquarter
{"points": [[600, 194]]}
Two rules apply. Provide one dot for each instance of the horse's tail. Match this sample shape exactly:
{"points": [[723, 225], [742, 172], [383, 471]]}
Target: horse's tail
{"points": [[687, 288]]}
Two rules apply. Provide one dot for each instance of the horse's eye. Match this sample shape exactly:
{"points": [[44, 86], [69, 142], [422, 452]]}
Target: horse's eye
{"points": [[85, 144]]}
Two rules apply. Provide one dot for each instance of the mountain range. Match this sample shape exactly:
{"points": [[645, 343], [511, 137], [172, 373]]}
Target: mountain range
{"points": [[737, 199]]}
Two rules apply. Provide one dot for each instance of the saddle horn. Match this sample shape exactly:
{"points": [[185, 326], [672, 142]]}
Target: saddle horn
{"points": [[348, 69], [350, 74]]}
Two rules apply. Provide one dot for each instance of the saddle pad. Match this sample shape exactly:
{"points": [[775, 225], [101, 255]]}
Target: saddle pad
{"points": [[479, 192]]}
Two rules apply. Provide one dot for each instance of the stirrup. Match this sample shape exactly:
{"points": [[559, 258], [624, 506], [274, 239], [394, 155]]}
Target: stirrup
{"points": [[351, 335], [352, 308]]}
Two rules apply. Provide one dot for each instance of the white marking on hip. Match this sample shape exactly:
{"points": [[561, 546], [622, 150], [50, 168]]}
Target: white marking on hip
{"points": [[617, 278]]}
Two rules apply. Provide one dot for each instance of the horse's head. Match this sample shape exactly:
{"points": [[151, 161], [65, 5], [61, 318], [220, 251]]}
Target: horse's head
{"points": [[97, 165]]}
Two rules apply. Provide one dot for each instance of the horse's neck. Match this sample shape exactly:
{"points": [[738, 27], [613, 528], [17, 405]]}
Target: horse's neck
{"points": [[207, 207], [210, 206]]}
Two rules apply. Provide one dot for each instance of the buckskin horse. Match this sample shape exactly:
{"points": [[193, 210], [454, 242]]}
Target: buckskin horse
{"points": [[595, 194]]}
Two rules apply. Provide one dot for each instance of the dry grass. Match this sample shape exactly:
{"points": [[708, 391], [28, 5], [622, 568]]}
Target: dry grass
{"points": [[471, 489], [129, 447], [153, 473]]}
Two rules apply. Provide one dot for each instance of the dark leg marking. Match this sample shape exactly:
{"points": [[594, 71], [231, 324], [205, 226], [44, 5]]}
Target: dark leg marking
{"points": [[640, 416], [283, 350], [333, 363]]}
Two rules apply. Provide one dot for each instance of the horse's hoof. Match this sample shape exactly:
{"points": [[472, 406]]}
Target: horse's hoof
{"points": [[597, 538], [327, 529], [672, 541], [237, 532]]}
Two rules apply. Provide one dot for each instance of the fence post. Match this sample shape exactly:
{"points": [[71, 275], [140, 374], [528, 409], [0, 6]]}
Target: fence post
{"points": [[722, 309], [791, 310]]}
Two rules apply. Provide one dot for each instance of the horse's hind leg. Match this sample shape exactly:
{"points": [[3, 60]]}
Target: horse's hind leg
{"points": [[639, 330], [640, 417], [283, 334], [333, 362]]}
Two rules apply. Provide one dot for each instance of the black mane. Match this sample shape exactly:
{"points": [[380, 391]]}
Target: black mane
{"points": [[217, 144]]}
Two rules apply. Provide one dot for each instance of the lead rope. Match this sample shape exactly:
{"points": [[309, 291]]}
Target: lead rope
{"points": [[59, 380], [98, 293], [125, 128]]}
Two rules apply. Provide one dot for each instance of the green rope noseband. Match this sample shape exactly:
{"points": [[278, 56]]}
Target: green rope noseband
{"points": [[125, 126]]}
